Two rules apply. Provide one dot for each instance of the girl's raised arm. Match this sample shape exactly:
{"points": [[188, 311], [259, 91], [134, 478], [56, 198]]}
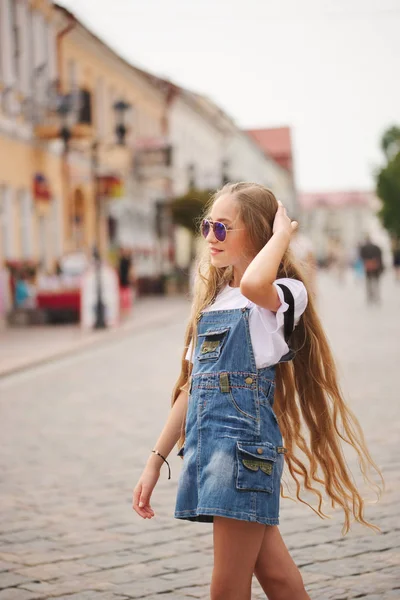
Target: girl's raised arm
{"points": [[257, 281]]}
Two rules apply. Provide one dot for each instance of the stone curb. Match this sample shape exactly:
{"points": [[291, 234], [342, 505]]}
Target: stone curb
{"points": [[97, 339]]}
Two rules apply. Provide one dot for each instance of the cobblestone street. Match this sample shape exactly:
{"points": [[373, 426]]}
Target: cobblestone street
{"points": [[75, 436]]}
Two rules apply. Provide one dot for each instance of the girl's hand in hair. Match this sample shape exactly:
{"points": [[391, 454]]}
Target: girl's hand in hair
{"points": [[143, 491], [282, 222]]}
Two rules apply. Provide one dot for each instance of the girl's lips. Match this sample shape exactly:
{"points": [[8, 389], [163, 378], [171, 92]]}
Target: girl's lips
{"points": [[215, 251]]}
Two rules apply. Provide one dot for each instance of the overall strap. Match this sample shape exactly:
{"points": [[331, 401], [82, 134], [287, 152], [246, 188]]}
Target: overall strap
{"points": [[289, 314]]}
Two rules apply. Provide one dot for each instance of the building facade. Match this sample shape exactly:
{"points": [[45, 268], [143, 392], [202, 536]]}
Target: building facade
{"points": [[276, 145], [339, 221], [30, 174], [130, 211], [210, 149], [65, 182]]}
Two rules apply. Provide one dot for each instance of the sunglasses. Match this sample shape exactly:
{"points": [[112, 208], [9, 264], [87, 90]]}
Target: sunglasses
{"points": [[219, 229]]}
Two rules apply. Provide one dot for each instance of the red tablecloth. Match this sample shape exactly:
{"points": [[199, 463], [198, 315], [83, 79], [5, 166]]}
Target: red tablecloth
{"points": [[71, 300], [59, 300]]}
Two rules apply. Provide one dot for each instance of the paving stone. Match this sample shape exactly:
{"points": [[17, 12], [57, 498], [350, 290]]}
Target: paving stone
{"points": [[19, 594], [84, 427], [12, 579]]}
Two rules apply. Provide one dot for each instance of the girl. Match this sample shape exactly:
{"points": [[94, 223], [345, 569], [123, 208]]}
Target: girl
{"points": [[245, 403]]}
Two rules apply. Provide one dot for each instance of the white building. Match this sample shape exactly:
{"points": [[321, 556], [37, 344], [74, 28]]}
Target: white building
{"points": [[198, 132], [209, 149], [342, 220], [247, 162], [198, 141]]}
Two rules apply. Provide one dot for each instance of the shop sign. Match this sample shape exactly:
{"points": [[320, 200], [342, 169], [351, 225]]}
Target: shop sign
{"points": [[41, 188], [110, 186], [153, 157]]}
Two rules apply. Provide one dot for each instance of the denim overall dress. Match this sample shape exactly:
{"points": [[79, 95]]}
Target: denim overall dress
{"points": [[233, 456]]}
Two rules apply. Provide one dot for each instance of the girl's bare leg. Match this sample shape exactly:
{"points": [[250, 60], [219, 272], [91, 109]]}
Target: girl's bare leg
{"points": [[275, 570], [236, 547]]}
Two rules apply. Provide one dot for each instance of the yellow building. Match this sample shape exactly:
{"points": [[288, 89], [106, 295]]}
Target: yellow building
{"points": [[53, 197], [28, 223]]}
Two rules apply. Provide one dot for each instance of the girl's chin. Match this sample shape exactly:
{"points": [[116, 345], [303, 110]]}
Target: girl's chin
{"points": [[219, 259]]}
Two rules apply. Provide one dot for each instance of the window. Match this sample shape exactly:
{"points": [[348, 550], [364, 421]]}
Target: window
{"points": [[85, 112], [43, 231], [112, 96], [39, 69], [6, 31], [6, 222], [191, 171], [29, 56], [72, 75], [15, 39], [51, 52], [100, 107], [56, 227], [25, 57], [24, 203], [2, 50]]}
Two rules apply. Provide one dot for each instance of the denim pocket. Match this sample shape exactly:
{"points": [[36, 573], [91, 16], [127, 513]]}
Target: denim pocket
{"points": [[212, 342], [255, 466], [245, 402]]}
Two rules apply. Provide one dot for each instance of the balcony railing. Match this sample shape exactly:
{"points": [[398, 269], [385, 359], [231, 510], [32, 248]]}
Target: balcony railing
{"points": [[74, 110]]}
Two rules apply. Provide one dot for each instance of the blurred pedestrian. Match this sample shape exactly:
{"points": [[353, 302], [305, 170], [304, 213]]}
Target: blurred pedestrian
{"points": [[124, 267], [371, 255], [302, 249], [338, 259], [249, 301], [358, 264], [127, 279], [24, 292]]}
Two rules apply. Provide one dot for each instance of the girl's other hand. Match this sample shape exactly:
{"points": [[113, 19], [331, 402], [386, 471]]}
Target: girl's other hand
{"points": [[282, 222], [143, 491]]}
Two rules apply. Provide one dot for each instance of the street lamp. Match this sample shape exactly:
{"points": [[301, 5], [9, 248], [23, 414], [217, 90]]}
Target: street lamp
{"points": [[121, 109], [66, 110], [224, 172]]}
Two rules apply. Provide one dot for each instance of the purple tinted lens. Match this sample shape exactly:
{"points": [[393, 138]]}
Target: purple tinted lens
{"points": [[219, 231], [205, 228]]}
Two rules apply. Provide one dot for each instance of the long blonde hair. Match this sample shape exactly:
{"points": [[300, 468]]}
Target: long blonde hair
{"points": [[312, 414]]}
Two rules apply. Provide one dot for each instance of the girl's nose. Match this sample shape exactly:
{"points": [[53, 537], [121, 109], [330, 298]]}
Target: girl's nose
{"points": [[211, 236]]}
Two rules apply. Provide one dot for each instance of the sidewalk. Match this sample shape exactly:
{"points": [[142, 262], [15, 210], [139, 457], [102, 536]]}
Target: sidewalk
{"points": [[21, 348]]}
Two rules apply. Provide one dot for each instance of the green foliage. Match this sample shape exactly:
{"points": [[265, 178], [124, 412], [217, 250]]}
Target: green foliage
{"points": [[187, 209], [390, 142], [388, 182], [388, 189]]}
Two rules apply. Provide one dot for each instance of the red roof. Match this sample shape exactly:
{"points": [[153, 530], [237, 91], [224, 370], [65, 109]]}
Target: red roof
{"points": [[334, 199], [276, 142]]}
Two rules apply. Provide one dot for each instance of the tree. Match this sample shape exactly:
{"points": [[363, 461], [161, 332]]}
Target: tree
{"points": [[388, 182], [187, 209], [390, 142]]}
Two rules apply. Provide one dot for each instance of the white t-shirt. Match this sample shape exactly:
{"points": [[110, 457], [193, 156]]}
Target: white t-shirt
{"points": [[266, 327]]}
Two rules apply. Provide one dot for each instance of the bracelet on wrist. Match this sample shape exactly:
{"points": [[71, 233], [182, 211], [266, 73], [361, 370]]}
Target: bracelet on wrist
{"points": [[165, 460]]}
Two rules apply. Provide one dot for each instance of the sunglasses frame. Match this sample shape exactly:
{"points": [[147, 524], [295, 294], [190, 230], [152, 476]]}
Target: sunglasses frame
{"points": [[212, 225]]}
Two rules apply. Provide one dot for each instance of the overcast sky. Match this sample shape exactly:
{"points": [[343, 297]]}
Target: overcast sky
{"points": [[328, 68]]}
